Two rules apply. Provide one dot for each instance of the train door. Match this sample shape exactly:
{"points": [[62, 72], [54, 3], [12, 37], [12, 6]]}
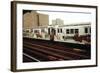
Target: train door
{"points": [[51, 30], [48, 31], [52, 33]]}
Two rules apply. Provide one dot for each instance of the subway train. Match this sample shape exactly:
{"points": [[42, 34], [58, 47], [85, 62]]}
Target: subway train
{"points": [[77, 32]]}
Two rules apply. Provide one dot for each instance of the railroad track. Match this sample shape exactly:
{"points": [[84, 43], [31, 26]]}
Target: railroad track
{"points": [[29, 58], [42, 51], [62, 46]]}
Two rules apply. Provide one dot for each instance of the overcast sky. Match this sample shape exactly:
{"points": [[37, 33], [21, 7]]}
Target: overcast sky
{"points": [[68, 17]]}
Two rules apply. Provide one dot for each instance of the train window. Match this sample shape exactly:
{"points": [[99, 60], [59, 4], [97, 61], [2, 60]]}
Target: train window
{"points": [[60, 30], [90, 30], [42, 30], [71, 31], [36, 31], [53, 31], [86, 30], [67, 31], [27, 31], [48, 30], [31, 30], [76, 31]]}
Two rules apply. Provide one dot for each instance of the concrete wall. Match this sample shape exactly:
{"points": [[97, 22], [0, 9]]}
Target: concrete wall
{"points": [[30, 20], [33, 20], [43, 20]]}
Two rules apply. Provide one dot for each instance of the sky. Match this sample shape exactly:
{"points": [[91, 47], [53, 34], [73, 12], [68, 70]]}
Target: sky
{"points": [[68, 17]]}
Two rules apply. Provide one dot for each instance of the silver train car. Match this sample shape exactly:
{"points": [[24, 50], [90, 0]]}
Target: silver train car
{"points": [[61, 32]]}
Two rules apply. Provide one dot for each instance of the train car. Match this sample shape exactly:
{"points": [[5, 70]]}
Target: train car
{"points": [[61, 32], [77, 32], [71, 30]]}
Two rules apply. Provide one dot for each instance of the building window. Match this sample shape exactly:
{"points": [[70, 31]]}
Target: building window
{"points": [[67, 31], [76, 31], [86, 30], [71, 31]]}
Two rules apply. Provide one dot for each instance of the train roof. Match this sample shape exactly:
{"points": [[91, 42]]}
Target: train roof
{"points": [[78, 24], [75, 24]]}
